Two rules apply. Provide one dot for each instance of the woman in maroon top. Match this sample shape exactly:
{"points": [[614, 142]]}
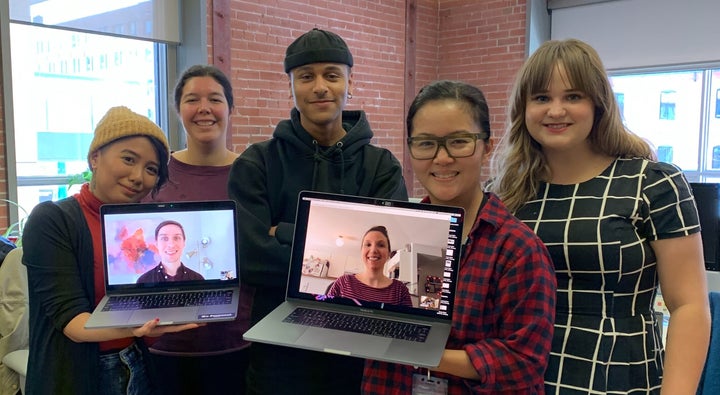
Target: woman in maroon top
{"points": [[372, 284], [201, 361]]}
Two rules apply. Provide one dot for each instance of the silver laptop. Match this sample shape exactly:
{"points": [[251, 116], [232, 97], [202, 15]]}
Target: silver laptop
{"points": [[174, 261], [328, 232]]}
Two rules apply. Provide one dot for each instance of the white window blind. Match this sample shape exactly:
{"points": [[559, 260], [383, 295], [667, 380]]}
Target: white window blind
{"points": [[643, 33], [156, 20]]}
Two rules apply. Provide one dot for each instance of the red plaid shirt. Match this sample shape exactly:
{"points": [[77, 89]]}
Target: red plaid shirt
{"points": [[504, 312]]}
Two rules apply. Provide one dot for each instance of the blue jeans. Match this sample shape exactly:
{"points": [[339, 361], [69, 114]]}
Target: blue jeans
{"points": [[124, 373]]}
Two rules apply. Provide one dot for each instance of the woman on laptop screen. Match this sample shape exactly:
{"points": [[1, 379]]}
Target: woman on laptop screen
{"points": [[128, 157], [372, 284], [505, 296]]}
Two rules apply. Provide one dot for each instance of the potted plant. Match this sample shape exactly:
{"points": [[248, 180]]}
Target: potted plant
{"points": [[79, 178]]}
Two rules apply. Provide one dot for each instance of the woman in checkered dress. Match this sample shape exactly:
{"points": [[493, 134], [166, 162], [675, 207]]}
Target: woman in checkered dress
{"points": [[615, 222]]}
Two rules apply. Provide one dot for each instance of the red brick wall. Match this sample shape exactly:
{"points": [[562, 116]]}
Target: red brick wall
{"points": [[374, 32], [483, 43], [480, 42]]}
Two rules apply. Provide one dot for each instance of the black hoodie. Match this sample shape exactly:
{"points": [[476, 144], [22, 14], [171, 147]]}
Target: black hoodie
{"points": [[266, 179]]}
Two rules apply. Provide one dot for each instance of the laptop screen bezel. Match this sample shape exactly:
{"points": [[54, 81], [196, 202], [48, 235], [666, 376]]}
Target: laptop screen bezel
{"points": [[170, 207], [299, 245]]}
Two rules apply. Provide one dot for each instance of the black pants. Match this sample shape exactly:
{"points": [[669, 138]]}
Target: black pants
{"points": [[217, 374], [276, 370]]}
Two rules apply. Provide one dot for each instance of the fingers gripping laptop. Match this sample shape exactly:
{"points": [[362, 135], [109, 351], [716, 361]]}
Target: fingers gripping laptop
{"points": [[174, 261], [370, 278]]}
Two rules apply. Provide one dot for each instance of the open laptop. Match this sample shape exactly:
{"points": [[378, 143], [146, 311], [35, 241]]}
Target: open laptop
{"points": [[204, 289], [328, 232]]}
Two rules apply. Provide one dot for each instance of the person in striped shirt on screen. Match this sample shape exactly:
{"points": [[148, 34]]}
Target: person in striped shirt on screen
{"points": [[372, 284]]}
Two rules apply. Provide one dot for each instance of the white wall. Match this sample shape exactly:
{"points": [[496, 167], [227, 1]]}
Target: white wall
{"points": [[644, 33]]}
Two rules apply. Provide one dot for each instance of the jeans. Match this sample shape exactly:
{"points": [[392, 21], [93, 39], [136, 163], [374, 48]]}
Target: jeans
{"points": [[124, 373]]}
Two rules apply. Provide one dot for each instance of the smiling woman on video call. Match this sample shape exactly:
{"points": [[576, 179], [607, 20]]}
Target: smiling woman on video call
{"points": [[372, 284]]}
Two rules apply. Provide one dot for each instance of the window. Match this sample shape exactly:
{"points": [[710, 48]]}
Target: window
{"points": [[56, 108], [620, 98], [68, 66], [682, 124]]}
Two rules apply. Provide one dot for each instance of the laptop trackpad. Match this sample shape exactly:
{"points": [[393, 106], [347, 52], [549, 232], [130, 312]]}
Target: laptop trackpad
{"points": [[344, 342], [166, 316]]}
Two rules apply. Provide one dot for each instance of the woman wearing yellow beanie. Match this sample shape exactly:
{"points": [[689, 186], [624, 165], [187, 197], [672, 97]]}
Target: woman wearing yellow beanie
{"points": [[61, 248]]}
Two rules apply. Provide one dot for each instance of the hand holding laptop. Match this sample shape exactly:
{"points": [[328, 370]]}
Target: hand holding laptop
{"points": [[153, 328], [194, 279], [364, 313]]}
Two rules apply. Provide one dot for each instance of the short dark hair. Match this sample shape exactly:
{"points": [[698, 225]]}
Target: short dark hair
{"points": [[204, 71], [166, 223], [458, 91], [163, 169]]}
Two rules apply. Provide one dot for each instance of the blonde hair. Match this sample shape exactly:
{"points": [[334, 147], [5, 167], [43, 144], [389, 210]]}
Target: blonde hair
{"points": [[519, 164]]}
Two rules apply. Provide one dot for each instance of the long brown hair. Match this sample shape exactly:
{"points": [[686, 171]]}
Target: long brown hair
{"points": [[519, 164]]}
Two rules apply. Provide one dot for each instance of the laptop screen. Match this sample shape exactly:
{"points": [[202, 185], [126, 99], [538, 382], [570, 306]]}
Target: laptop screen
{"points": [[169, 245], [423, 254]]}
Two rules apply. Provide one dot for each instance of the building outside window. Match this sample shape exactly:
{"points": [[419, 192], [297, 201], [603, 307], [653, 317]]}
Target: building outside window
{"points": [[681, 125], [667, 105], [56, 112], [69, 66]]}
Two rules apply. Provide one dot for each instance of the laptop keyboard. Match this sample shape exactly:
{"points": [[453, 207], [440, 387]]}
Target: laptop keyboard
{"points": [[359, 324], [154, 301]]}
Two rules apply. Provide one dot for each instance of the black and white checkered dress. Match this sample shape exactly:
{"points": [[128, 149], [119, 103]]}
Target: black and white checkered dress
{"points": [[606, 338]]}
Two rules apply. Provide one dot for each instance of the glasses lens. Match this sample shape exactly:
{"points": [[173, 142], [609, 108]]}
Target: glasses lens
{"points": [[423, 149], [460, 147]]}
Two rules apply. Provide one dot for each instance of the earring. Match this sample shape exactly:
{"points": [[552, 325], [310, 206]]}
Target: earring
{"points": [[349, 95]]}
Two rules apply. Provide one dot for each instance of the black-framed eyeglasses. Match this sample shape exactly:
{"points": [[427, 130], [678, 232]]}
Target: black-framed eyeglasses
{"points": [[458, 145]]}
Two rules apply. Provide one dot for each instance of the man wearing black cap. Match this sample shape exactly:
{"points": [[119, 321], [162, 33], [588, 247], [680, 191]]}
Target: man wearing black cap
{"points": [[322, 148]]}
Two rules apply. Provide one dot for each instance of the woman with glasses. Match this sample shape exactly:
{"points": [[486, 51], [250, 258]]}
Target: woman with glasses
{"points": [[503, 319]]}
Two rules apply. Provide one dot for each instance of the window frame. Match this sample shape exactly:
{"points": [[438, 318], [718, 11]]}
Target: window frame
{"points": [[170, 63]]}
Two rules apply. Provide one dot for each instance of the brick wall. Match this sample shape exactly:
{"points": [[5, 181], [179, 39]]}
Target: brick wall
{"points": [[480, 42], [483, 43], [260, 34]]}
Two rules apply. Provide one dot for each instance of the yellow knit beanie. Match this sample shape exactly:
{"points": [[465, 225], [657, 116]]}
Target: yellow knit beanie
{"points": [[120, 122]]}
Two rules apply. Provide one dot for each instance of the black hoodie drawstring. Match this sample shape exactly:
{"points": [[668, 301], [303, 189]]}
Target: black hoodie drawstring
{"points": [[317, 158], [339, 146]]}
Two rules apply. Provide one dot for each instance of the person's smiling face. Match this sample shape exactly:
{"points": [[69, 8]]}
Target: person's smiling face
{"points": [[561, 117], [375, 250], [204, 110], [448, 180], [320, 92], [125, 170], [170, 244]]}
